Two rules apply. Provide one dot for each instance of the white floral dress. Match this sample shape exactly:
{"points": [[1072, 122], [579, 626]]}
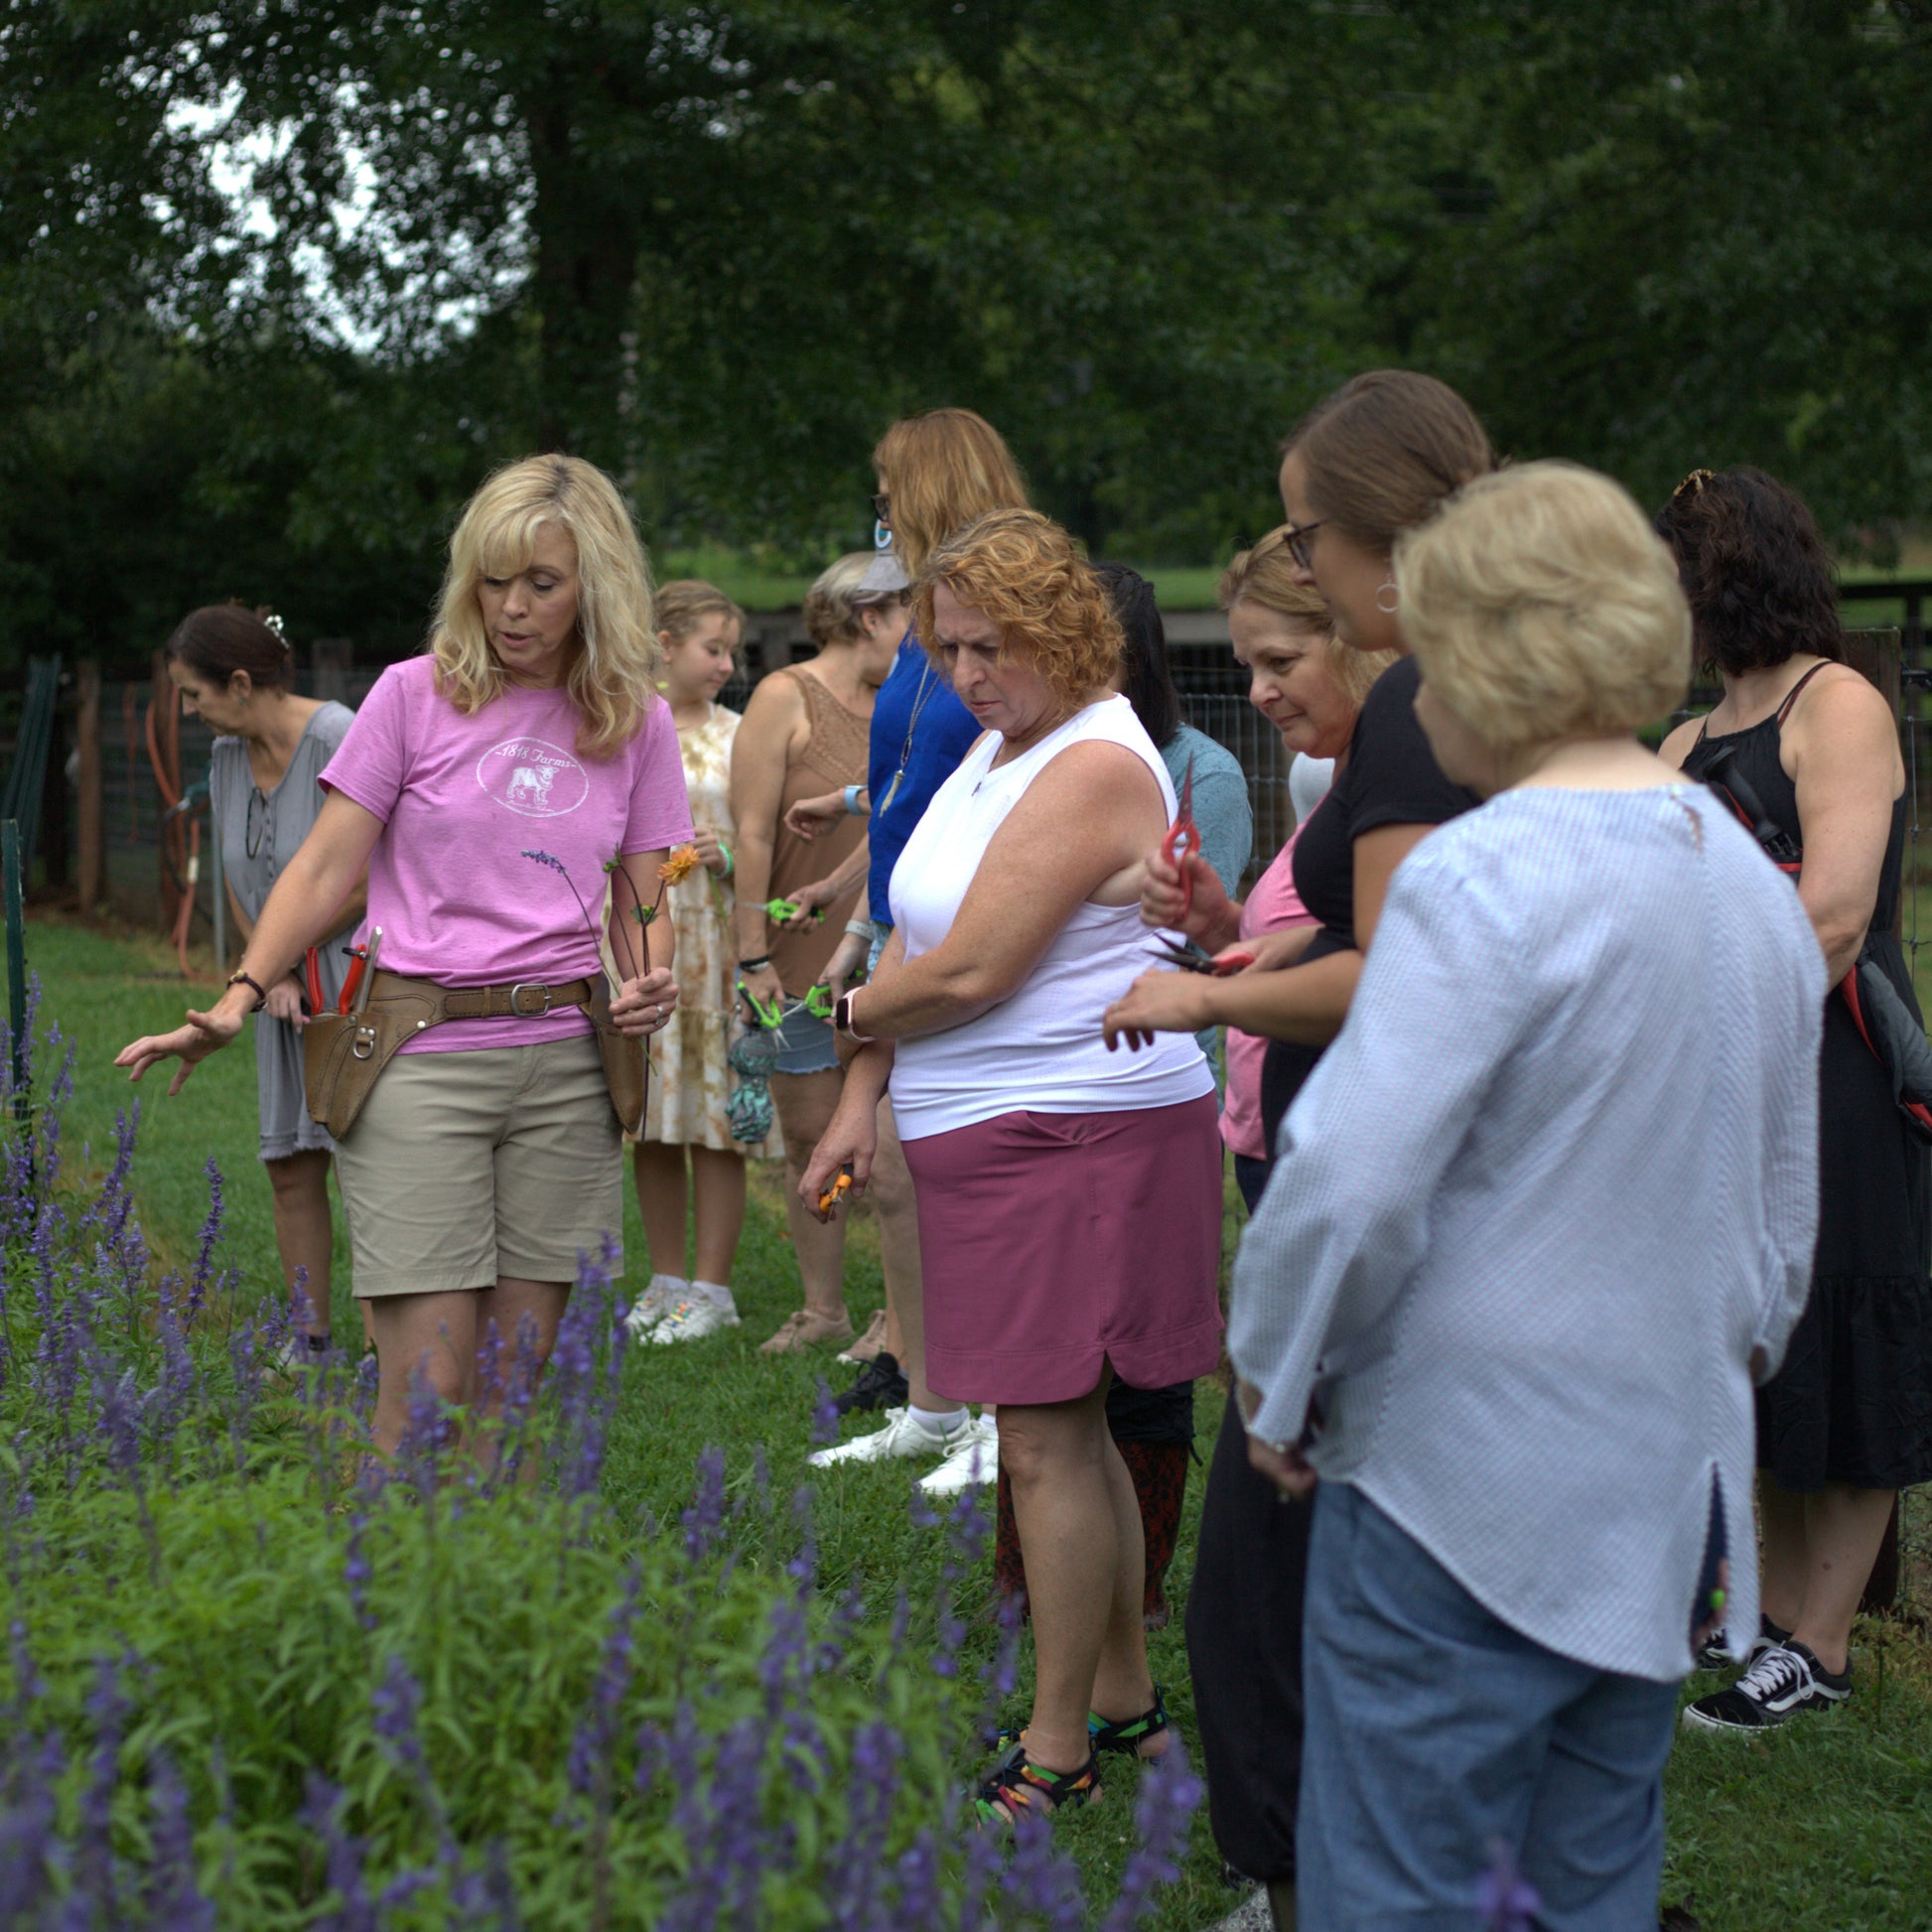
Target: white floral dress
{"points": [[689, 1080]]}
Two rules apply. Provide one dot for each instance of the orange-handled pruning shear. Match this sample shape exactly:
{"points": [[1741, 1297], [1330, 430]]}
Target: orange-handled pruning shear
{"points": [[835, 1192], [1183, 840]]}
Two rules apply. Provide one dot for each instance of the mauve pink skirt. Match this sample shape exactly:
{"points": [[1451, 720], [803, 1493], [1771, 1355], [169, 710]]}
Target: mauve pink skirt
{"points": [[1054, 1242]]}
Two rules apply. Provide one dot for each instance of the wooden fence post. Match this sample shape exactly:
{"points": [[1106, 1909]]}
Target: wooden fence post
{"points": [[92, 810]]}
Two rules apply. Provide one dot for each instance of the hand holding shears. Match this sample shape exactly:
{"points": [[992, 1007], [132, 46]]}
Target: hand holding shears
{"points": [[1183, 843]]}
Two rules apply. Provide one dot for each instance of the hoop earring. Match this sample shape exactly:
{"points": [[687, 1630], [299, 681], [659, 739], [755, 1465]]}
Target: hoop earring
{"points": [[1394, 604]]}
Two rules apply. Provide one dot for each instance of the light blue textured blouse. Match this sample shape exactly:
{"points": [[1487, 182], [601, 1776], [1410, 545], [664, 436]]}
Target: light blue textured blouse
{"points": [[1538, 1202]]}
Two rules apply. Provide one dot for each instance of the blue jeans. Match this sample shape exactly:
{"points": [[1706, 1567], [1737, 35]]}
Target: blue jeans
{"points": [[1436, 1733]]}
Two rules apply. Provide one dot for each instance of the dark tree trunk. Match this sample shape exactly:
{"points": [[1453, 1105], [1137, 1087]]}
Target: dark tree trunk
{"points": [[588, 227]]}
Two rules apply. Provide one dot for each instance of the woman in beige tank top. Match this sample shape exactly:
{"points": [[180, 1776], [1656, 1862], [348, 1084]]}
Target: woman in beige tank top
{"points": [[805, 732]]}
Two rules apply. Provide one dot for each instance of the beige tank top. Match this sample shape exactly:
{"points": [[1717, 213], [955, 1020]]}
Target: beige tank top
{"points": [[832, 756]]}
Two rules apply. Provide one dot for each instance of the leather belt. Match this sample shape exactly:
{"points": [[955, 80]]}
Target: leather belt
{"points": [[527, 1000]]}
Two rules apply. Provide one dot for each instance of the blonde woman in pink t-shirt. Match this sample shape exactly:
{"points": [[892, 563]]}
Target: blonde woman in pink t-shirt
{"points": [[489, 786]]}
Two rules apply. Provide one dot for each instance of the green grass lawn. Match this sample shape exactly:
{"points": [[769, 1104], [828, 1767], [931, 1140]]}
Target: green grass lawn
{"points": [[1826, 1826], [759, 587]]}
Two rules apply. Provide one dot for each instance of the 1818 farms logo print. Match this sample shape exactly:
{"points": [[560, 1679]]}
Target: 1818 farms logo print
{"points": [[533, 776]]}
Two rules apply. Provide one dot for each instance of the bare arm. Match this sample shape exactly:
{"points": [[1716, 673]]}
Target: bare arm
{"points": [[324, 869], [760, 752], [1077, 832], [1842, 747]]}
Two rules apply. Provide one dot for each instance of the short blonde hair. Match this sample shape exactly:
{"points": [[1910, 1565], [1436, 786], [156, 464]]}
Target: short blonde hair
{"points": [[612, 679], [941, 471], [1266, 575], [832, 604], [1540, 605], [685, 602], [1028, 574]]}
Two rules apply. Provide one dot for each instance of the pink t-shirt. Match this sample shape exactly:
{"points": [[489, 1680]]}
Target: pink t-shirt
{"points": [[462, 799], [1273, 906]]}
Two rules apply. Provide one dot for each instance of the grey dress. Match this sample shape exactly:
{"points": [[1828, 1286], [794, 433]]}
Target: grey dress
{"points": [[275, 823]]}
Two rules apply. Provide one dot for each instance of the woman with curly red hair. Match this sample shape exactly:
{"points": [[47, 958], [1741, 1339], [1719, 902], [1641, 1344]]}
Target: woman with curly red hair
{"points": [[1069, 1198]]}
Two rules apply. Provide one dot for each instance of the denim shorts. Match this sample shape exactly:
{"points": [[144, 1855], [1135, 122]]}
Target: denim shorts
{"points": [[805, 1044]]}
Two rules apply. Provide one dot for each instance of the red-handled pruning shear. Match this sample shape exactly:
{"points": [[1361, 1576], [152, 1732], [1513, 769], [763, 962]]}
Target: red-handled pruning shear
{"points": [[1183, 840], [359, 964], [312, 973]]}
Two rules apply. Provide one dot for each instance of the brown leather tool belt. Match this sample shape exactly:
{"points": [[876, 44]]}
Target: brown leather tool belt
{"points": [[344, 1053]]}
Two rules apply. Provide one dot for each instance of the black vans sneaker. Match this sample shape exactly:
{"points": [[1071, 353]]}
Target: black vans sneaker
{"points": [[880, 1384], [1785, 1682], [1714, 1656]]}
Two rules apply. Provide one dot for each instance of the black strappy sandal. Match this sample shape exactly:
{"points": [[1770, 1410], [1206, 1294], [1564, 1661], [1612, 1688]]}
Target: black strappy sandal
{"points": [[1126, 1736], [1020, 1785], [1130, 1734]]}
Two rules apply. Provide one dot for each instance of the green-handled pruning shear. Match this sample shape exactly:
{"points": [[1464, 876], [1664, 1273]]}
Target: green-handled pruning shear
{"points": [[781, 911]]}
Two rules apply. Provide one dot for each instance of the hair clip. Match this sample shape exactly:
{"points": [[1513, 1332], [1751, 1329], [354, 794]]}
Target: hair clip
{"points": [[273, 619], [1694, 483]]}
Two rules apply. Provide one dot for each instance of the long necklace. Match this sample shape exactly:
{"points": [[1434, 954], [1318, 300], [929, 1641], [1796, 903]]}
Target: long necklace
{"points": [[913, 724]]}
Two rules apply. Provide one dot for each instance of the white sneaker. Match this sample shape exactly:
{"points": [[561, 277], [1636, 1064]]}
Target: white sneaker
{"points": [[976, 1460], [663, 1293], [903, 1435], [694, 1320]]}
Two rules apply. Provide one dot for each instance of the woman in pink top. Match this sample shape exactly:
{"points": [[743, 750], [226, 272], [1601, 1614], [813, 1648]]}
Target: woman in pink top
{"points": [[1311, 688], [490, 785]]}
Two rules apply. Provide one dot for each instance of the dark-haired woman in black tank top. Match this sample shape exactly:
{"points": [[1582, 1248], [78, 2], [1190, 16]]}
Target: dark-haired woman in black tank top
{"points": [[1244, 1610], [1847, 1417], [1847, 1421]]}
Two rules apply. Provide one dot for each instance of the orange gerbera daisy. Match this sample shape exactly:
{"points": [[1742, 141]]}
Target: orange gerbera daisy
{"points": [[680, 865]]}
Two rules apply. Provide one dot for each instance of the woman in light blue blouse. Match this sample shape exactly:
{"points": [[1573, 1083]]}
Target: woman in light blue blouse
{"points": [[1538, 1219]]}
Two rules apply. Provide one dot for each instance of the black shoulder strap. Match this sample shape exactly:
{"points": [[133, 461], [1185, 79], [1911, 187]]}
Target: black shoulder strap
{"points": [[1791, 696]]}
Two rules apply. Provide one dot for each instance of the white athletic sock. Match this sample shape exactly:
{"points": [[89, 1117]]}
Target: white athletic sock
{"points": [[716, 1292], [936, 1421], [671, 1287]]}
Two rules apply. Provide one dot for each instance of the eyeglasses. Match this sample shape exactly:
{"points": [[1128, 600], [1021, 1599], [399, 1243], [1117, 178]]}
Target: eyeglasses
{"points": [[261, 823], [1297, 536], [881, 506]]}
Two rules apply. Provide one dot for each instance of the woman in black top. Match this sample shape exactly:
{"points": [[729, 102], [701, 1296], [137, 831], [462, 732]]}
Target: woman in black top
{"points": [[1376, 459], [1847, 1421]]}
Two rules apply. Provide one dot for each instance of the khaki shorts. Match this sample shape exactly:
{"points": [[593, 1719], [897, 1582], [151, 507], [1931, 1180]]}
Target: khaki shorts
{"points": [[462, 1167]]}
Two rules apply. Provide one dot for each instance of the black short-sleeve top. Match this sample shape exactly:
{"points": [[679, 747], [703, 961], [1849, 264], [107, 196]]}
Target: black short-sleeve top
{"points": [[1390, 778]]}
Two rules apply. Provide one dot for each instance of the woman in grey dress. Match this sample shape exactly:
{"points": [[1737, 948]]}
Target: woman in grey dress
{"points": [[234, 672]]}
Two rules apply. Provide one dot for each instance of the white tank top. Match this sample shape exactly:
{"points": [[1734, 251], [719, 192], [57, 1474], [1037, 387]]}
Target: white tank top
{"points": [[1040, 1050]]}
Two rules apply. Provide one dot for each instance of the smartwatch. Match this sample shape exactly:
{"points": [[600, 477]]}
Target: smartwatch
{"points": [[842, 1020], [851, 795]]}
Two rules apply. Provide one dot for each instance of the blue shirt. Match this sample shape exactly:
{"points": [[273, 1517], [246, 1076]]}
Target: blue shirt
{"points": [[932, 745], [1553, 1184]]}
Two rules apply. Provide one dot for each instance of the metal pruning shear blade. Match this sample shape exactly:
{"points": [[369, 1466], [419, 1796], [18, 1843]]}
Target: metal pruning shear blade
{"points": [[1189, 957], [1192, 958]]}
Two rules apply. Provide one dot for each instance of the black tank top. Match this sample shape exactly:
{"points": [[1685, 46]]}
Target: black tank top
{"points": [[1757, 756]]}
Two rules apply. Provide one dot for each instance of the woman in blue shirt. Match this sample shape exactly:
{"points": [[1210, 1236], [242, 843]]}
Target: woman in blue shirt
{"points": [[937, 472]]}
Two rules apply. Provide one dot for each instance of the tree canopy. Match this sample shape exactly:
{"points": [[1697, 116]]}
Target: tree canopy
{"points": [[281, 279]]}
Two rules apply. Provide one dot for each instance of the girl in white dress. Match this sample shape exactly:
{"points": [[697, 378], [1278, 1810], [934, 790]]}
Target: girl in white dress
{"points": [[701, 629]]}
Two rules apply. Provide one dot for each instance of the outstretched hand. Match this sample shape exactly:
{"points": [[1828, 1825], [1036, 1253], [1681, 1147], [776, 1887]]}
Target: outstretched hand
{"points": [[203, 1033]]}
